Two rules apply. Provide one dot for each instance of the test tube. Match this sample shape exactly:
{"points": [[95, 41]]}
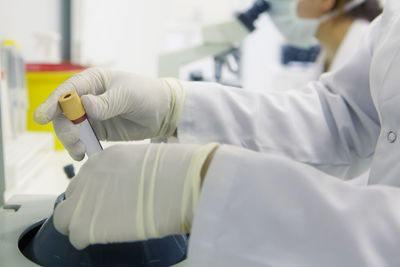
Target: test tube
{"points": [[73, 109]]}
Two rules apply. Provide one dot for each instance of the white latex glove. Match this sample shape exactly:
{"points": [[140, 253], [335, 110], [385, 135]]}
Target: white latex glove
{"points": [[133, 192], [120, 106]]}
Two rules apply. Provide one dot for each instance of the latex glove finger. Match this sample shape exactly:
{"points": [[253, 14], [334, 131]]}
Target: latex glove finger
{"points": [[128, 95], [63, 213], [76, 184], [90, 81], [102, 107], [87, 209], [69, 137], [65, 210], [73, 184]]}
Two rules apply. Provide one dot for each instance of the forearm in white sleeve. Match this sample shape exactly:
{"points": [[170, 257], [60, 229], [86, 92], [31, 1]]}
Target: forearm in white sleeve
{"points": [[329, 122], [258, 209]]}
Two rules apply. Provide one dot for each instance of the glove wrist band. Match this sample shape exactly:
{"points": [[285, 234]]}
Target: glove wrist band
{"points": [[171, 119]]}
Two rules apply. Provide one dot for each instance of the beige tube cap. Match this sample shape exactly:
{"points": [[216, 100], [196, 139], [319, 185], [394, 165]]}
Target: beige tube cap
{"points": [[71, 105]]}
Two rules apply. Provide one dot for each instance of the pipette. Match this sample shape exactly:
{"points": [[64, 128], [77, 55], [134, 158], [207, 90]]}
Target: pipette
{"points": [[73, 109]]}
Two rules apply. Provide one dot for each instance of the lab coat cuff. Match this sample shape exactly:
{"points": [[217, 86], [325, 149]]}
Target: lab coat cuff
{"points": [[190, 127], [208, 222]]}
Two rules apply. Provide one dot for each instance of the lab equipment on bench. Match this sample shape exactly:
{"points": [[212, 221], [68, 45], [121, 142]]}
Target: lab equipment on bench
{"points": [[26, 152], [292, 54], [43, 244], [14, 69], [218, 40]]}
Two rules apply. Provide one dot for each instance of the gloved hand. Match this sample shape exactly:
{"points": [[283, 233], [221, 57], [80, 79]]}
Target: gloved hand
{"points": [[133, 192], [120, 106]]}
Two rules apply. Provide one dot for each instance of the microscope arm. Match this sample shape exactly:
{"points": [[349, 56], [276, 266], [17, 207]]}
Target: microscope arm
{"points": [[236, 30], [170, 63], [217, 39]]}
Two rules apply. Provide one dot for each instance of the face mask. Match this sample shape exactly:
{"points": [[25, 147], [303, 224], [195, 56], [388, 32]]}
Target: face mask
{"points": [[300, 32]]}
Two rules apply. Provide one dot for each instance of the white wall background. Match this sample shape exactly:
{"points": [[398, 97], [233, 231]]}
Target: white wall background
{"points": [[21, 19], [119, 34]]}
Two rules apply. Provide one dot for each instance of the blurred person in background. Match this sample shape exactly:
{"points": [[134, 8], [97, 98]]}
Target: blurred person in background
{"points": [[337, 26], [341, 33]]}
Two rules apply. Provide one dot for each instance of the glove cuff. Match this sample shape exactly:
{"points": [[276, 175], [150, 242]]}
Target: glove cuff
{"points": [[171, 119], [191, 188], [169, 188]]}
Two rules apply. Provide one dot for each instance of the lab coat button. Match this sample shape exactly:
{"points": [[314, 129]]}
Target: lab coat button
{"points": [[391, 137]]}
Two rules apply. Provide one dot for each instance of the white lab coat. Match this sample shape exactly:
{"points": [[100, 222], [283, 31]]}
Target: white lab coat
{"points": [[269, 209], [350, 43]]}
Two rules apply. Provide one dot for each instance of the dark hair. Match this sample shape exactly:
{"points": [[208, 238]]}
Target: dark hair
{"points": [[368, 10]]}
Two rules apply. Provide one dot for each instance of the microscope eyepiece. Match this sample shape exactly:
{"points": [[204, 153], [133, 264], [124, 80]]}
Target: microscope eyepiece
{"points": [[250, 16]]}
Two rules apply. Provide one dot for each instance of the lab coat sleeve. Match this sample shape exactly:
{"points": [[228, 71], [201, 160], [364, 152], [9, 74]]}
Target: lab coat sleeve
{"points": [[332, 121], [259, 209]]}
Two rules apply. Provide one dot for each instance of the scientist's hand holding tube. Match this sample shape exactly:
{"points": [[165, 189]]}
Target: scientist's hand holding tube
{"points": [[134, 192], [121, 107]]}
